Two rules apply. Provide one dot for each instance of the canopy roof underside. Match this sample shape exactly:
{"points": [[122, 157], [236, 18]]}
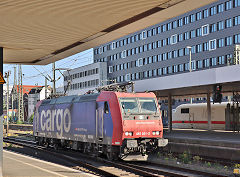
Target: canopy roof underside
{"points": [[40, 31]]}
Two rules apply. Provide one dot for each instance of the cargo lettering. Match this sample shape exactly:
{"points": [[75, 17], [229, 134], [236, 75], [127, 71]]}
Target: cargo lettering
{"points": [[61, 117]]}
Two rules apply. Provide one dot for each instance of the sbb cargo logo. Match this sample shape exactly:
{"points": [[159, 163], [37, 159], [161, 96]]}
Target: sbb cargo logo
{"points": [[59, 117]]}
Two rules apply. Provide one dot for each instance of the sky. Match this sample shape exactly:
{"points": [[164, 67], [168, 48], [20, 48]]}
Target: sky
{"points": [[34, 74]]}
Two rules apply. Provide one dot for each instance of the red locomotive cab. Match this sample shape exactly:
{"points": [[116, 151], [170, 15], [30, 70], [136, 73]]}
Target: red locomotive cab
{"points": [[142, 128]]}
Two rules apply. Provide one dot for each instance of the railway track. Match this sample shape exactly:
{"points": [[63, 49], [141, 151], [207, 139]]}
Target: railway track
{"points": [[103, 167]]}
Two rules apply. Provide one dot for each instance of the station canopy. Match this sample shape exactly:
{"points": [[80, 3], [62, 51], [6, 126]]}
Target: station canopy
{"points": [[43, 31]]}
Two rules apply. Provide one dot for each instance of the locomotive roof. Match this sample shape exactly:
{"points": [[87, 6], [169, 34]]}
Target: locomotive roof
{"points": [[71, 99]]}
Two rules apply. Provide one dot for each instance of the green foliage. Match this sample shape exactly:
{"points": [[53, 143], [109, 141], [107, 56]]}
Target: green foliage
{"points": [[208, 164], [19, 122], [31, 119], [197, 158], [185, 157]]}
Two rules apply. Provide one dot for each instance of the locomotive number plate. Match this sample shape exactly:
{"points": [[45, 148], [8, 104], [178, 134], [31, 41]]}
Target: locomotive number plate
{"points": [[143, 133]]}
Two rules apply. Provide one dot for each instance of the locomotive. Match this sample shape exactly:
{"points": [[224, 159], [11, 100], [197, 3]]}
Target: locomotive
{"points": [[111, 123]]}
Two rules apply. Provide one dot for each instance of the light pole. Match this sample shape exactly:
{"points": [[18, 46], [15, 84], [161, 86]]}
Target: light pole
{"points": [[190, 58]]}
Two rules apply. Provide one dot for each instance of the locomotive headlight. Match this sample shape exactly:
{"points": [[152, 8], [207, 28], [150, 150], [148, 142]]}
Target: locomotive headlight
{"points": [[157, 132], [154, 133], [130, 133], [126, 133]]}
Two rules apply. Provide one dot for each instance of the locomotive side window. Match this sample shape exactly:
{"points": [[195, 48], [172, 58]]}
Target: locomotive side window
{"points": [[184, 110], [106, 110]]}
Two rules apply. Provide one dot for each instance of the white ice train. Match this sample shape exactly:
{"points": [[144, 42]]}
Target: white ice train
{"points": [[195, 116]]}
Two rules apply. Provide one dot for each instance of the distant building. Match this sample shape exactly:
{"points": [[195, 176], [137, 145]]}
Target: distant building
{"points": [[80, 80], [36, 94], [60, 90], [26, 90]]}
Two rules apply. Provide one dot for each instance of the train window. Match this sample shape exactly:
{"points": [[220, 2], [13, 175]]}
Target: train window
{"points": [[184, 110], [106, 107]]}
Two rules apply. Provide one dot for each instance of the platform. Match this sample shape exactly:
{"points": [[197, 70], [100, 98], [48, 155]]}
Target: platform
{"points": [[217, 144], [15, 164]]}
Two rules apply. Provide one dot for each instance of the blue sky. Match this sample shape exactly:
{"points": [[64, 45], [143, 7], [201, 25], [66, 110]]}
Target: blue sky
{"points": [[32, 73]]}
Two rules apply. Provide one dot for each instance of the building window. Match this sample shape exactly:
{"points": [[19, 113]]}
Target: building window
{"points": [[159, 57], [236, 3], [229, 23], [237, 38], [169, 26], [199, 15], [158, 29], [228, 5], [220, 25], [220, 8], [205, 46], [164, 28], [228, 40], [180, 22], [213, 28], [212, 44], [192, 18], [154, 72], [159, 44], [127, 77], [186, 20], [181, 67], [199, 48], [150, 73], [164, 71], [140, 62], [213, 10], [205, 13], [149, 33], [193, 65], [213, 61], [236, 20], [113, 45], [164, 56], [175, 68], [199, 64], [221, 60], [180, 37], [180, 52], [169, 68], [164, 42], [175, 54], [174, 24], [124, 54], [199, 32], [174, 39], [186, 35], [206, 63], [159, 72], [186, 66], [205, 30], [192, 34], [221, 43]]}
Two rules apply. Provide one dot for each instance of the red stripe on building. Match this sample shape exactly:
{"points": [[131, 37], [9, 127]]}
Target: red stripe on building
{"points": [[198, 122]]}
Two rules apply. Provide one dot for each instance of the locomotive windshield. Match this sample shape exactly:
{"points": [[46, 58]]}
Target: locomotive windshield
{"points": [[138, 105], [129, 105], [148, 105]]}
